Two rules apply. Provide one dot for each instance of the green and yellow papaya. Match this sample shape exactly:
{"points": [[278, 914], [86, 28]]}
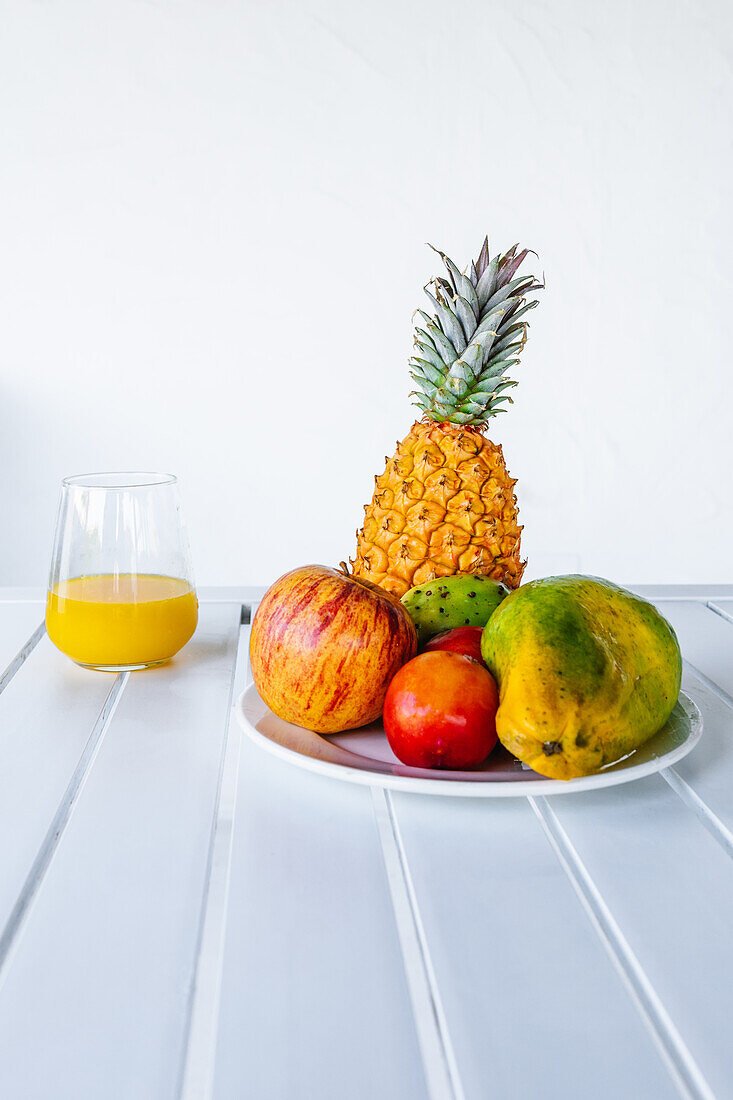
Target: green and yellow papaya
{"points": [[587, 672]]}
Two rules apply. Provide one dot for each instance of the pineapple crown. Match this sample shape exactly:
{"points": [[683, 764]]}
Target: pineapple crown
{"points": [[464, 350]]}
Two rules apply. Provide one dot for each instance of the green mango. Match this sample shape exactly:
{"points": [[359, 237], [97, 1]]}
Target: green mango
{"points": [[462, 600], [587, 672]]}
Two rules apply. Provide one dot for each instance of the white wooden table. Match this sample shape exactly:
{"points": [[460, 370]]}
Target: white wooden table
{"points": [[186, 916]]}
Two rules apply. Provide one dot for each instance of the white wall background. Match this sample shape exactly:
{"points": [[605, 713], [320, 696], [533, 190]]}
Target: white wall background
{"points": [[212, 227]]}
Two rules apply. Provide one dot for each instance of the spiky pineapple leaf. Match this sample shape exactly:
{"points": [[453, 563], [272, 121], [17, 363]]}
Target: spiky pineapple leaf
{"points": [[487, 282], [473, 357], [426, 387], [510, 265], [516, 309], [443, 345], [514, 288], [429, 353], [483, 258], [427, 370], [448, 321], [467, 317]]}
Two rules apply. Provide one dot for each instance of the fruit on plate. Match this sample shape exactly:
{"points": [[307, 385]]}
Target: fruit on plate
{"points": [[324, 647], [440, 712], [587, 672], [453, 601], [445, 503], [462, 639]]}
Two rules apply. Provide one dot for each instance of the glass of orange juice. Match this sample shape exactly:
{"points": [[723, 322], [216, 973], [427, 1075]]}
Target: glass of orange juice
{"points": [[121, 593]]}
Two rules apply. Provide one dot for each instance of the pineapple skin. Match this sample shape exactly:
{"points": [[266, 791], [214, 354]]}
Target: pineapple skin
{"points": [[445, 504]]}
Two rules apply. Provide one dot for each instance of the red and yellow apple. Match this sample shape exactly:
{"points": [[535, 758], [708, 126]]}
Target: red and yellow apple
{"points": [[324, 647]]}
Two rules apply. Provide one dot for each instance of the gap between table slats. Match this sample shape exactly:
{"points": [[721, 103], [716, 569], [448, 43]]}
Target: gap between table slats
{"points": [[12, 931], [712, 606], [439, 1061], [196, 1078], [711, 685], [684, 1070], [21, 656], [716, 689], [708, 819]]}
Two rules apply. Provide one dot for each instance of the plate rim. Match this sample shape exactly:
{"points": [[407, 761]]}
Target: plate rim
{"points": [[516, 788]]}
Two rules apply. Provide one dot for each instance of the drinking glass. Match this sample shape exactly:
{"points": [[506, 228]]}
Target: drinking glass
{"points": [[121, 594]]}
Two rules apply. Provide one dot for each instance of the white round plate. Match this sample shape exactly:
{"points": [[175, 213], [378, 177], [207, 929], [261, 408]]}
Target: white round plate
{"points": [[364, 756]]}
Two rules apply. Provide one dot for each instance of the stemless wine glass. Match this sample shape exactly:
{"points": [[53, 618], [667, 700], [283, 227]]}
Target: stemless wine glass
{"points": [[121, 593]]}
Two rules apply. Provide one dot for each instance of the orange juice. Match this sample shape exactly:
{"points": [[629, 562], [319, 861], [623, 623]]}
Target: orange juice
{"points": [[131, 619]]}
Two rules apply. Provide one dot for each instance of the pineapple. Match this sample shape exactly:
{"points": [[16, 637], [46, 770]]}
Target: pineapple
{"points": [[445, 503]]}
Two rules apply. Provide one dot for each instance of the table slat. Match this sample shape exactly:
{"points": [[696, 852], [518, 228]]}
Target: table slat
{"points": [[96, 1000], [314, 998]]}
